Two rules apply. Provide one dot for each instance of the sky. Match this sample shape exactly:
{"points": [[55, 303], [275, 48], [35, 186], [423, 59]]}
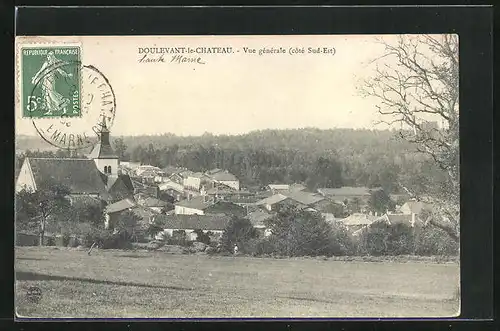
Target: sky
{"points": [[231, 93]]}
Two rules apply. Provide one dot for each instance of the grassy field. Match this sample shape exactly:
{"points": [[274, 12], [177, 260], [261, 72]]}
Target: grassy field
{"points": [[157, 284]]}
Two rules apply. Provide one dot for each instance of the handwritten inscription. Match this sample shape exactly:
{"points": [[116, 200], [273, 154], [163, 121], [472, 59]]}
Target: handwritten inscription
{"points": [[147, 58], [188, 55]]}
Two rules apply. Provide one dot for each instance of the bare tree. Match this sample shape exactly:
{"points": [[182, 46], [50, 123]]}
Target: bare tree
{"points": [[416, 84]]}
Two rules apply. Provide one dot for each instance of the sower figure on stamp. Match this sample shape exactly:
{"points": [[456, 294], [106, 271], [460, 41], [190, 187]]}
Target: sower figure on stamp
{"points": [[53, 101]]}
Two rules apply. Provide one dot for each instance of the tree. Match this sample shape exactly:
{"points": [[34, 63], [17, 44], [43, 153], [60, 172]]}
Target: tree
{"points": [[35, 209], [92, 213], [296, 232], [238, 232], [154, 228], [120, 148], [416, 84], [127, 225], [380, 202]]}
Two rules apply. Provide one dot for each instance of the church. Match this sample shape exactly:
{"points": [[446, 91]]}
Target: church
{"points": [[96, 176]]}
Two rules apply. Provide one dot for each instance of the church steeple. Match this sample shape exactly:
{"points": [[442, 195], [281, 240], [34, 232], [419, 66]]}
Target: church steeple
{"points": [[103, 155]]}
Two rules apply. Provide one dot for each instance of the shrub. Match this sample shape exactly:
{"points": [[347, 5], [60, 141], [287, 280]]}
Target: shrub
{"points": [[202, 237], [431, 240], [302, 233], [383, 239], [238, 232], [106, 239], [178, 238], [66, 237]]}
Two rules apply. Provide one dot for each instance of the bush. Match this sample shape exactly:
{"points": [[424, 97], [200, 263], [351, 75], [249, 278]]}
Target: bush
{"points": [[202, 237], [106, 239], [238, 232], [384, 239], [431, 240], [178, 238], [66, 237]]}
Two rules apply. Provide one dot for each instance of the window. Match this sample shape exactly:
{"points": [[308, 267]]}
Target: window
{"points": [[109, 169]]}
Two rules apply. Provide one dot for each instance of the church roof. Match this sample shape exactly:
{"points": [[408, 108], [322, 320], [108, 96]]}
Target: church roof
{"points": [[102, 151], [80, 176]]}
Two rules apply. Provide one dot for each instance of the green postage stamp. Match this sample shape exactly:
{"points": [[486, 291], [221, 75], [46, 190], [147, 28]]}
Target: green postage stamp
{"points": [[50, 81]]}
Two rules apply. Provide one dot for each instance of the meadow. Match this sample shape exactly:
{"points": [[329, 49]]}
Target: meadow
{"points": [[114, 283]]}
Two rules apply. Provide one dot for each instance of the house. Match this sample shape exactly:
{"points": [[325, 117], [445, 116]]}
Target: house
{"points": [[226, 208], [413, 207], [194, 206], [148, 189], [150, 202], [258, 219], [278, 188], [297, 187], [175, 190], [192, 180], [114, 211], [358, 221], [347, 193], [393, 219], [271, 203], [214, 171], [213, 225], [226, 178], [97, 175], [308, 199], [170, 170], [411, 220]]}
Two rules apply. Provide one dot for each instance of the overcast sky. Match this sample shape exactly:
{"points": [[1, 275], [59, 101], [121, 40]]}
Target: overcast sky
{"points": [[235, 93]]}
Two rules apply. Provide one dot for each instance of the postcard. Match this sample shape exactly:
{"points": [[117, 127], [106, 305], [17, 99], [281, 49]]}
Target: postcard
{"points": [[298, 176]]}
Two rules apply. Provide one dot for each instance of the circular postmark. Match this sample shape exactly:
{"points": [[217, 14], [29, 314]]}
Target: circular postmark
{"points": [[70, 103], [34, 294]]}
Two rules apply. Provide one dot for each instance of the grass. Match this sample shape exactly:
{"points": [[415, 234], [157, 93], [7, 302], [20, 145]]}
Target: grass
{"points": [[112, 283]]}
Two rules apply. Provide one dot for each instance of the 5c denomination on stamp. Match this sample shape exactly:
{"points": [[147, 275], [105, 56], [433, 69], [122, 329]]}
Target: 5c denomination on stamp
{"points": [[50, 82]]}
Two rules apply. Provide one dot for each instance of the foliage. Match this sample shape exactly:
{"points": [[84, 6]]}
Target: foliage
{"points": [[238, 232], [127, 225], [380, 202], [105, 239], [301, 233], [154, 228], [435, 241], [120, 148], [383, 239], [35, 209], [88, 213], [178, 238], [421, 87], [202, 236]]}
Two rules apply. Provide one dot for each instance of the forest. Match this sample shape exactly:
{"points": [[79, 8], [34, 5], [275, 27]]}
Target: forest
{"points": [[317, 158]]}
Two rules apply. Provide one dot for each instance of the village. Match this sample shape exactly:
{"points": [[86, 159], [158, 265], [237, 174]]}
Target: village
{"points": [[181, 200]]}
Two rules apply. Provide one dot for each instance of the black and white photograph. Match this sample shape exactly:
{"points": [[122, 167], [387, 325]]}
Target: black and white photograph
{"points": [[237, 176]]}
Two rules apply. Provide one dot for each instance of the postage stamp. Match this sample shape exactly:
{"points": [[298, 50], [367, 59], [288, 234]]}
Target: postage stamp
{"points": [[66, 100], [51, 81]]}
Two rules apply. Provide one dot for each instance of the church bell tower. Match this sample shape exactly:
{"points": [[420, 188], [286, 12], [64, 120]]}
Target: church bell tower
{"points": [[103, 155]]}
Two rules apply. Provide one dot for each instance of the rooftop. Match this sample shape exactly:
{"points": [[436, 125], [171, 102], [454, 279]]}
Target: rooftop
{"points": [[359, 219], [195, 203], [192, 222], [120, 206], [305, 198], [346, 191], [80, 176], [224, 176]]}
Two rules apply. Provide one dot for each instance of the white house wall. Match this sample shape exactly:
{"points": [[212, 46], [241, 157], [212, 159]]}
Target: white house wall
{"points": [[231, 183], [25, 178], [179, 210]]}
